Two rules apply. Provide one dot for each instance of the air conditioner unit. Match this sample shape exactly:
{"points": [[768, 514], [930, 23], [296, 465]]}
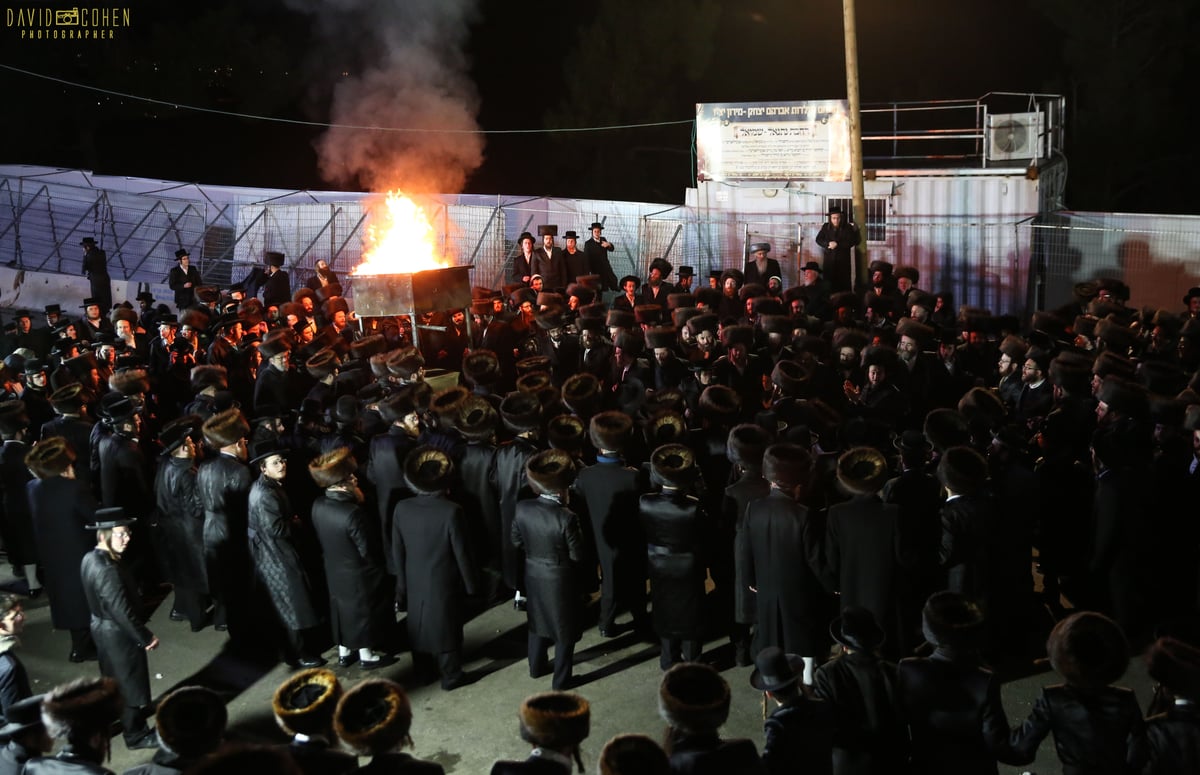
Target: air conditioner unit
{"points": [[1015, 136]]}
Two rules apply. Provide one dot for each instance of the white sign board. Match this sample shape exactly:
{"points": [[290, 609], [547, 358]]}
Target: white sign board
{"points": [[773, 140]]}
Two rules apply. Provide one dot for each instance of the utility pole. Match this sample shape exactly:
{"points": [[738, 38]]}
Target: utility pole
{"points": [[856, 164]]}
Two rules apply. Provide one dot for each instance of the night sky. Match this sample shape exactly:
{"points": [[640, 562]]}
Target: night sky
{"points": [[537, 65]]}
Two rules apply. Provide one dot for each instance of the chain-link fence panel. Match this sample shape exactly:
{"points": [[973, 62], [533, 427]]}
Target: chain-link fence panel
{"points": [[1157, 256]]}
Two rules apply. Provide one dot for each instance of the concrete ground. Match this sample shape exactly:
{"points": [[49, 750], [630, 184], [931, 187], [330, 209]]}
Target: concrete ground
{"points": [[469, 728]]}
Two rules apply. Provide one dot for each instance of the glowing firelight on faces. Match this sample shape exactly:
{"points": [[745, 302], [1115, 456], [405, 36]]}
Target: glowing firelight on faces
{"points": [[399, 240]]}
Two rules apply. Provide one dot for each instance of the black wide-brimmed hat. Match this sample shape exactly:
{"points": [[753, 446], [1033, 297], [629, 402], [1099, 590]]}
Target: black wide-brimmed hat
{"points": [[857, 629], [108, 518], [22, 716], [264, 448], [774, 670]]}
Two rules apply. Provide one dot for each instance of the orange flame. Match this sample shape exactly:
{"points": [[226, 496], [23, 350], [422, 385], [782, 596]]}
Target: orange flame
{"points": [[399, 239]]}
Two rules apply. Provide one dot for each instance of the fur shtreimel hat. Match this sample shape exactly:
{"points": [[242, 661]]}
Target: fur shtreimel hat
{"points": [[50, 458], [368, 346], [305, 702], [949, 619], [693, 698], [790, 377], [787, 465], [550, 471], [447, 402], [333, 467], [130, 382], [720, 403], [82, 707], [581, 393], [521, 412], [1088, 649], [481, 367], [741, 334], [610, 431], [946, 428], [191, 721], [746, 444], [633, 755], [566, 432], [405, 363], [862, 470], [555, 719], [427, 470], [664, 427], [674, 465], [1175, 665], [963, 471], [374, 717], [225, 428], [476, 419], [205, 376]]}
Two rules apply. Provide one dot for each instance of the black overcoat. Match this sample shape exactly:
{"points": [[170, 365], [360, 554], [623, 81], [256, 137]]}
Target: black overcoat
{"points": [[1092, 728], [360, 602], [117, 626], [385, 470], [798, 737], [17, 527], [861, 549], [610, 491], [123, 476], [511, 487], [275, 556], [60, 508], [224, 486], [78, 433], [793, 608], [956, 722], [433, 570], [750, 487], [861, 689], [708, 754], [181, 517], [549, 534], [479, 500], [674, 526]]}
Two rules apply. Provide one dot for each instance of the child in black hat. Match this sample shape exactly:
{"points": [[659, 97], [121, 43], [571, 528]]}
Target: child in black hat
{"points": [[799, 731]]}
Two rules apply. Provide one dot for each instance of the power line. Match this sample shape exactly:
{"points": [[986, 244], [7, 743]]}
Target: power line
{"points": [[324, 125]]}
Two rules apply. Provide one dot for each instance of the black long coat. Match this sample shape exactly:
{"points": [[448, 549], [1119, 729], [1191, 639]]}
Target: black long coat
{"points": [[17, 526], [1092, 728], [117, 626], [610, 492], [798, 737], [1122, 560], [969, 536], [952, 707], [708, 754], [861, 550], [749, 488], [181, 517], [123, 476], [60, 508], [479, 500], [674, 527], [273, 388], [550, 536], [276, 559], [793, 609], [65, 762], [224, 486], [78, 433], [433, 570], [360, 603], [511, 487], [385, 470], [861, 689], [1171, 744]]}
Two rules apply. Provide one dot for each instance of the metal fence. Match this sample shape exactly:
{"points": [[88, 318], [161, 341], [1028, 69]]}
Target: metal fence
{"points": [[1003, 266]]}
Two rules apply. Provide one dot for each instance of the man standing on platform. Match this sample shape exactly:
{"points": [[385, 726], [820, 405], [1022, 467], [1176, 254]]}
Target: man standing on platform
{"points": [[597, 249], [838, 238], [549, 260], [184, 279], [95, 266]]}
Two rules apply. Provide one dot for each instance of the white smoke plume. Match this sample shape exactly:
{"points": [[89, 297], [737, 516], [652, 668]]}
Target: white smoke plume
{"points": [[412, 74]]}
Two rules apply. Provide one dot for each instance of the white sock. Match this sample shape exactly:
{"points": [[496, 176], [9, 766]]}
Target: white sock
{"points": [[343, 651], [31, 577], [809, 666], [366, 655]]}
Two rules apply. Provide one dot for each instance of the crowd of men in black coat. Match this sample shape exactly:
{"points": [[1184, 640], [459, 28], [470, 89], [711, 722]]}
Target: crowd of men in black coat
{"points": [[814, 455]]}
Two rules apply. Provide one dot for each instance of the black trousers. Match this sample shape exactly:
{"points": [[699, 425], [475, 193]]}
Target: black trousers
{"points": [[676, 650], [448, 665], [539, 660]]}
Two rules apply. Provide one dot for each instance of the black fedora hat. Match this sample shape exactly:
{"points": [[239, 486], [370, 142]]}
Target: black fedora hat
{"points": [[857, 629], [107, 519], [22, 715], [774, 670]]}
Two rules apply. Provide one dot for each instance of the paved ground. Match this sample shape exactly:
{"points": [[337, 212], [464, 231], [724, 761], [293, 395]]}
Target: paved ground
{"points": [[465, 730]]}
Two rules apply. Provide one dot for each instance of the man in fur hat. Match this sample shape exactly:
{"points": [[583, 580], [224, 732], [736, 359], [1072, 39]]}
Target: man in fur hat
{"points": [[694, 700], [274, 385], [555, 724], [224, 483], [970, 733], [373, 719], [610, 489], [304, 707], [1172, 740], [674, 523], [81, 714], [791, 605], [548, 532], [433, 568], [385, 459], [656, 289], [122, 637], [190, 722], [17, 524]]}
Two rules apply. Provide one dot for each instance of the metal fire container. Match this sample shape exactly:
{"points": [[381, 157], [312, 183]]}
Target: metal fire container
{"points": [[431, 290]]}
